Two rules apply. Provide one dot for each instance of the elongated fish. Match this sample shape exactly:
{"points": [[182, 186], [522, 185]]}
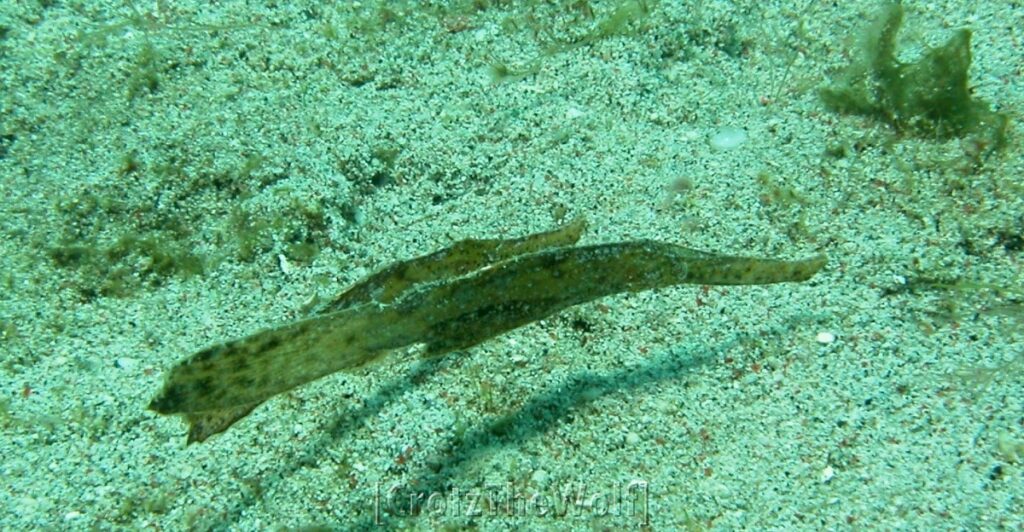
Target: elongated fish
{"points": [[448, 300]]}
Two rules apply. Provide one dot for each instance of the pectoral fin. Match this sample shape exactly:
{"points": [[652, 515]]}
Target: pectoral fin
{"points": [[202, 425]]}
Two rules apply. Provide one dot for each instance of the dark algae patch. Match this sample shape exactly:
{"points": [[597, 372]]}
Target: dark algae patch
{"points": [[929, 97], [448, 300]]}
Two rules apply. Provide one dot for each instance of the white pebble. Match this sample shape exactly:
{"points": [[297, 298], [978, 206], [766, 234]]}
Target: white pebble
{"points": [[728, 138], [827, 474], [126, 363], [573, 113], [825, 338]]}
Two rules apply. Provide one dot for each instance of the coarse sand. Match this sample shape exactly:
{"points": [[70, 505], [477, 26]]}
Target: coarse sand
{"points": [[176, 174]]}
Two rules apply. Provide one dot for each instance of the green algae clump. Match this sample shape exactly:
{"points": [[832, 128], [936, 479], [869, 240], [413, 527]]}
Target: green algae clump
{"points": [[929, 97]]}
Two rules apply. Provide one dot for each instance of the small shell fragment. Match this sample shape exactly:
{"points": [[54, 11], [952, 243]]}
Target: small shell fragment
{"points": [[825, 337], [282, 262]]}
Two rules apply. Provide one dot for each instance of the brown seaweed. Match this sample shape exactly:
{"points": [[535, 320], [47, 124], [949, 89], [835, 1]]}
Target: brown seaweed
{"points": [[449, 300]]}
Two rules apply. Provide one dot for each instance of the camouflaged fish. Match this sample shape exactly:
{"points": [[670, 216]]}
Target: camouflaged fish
{"points": [[448, 300]]}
